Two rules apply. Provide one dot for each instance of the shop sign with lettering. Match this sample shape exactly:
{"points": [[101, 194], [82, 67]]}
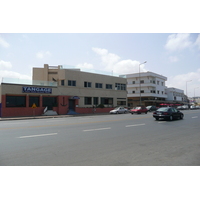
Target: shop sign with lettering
{"points": [[36, 90]]}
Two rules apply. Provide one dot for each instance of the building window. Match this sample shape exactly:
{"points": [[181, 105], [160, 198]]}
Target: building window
{"points": [[34, 100], [141, 81], [162, 83], [62, 82], [158, 82], [88, 100], [133, 82], [120, 86], [121, 103], [108, 86], [95, 101], [142, 91], [15, 101], [71, 83], [133, 91], [49, 102], [87, 84], [106, 101], [98, 85], [152, 81], [158, 91]]}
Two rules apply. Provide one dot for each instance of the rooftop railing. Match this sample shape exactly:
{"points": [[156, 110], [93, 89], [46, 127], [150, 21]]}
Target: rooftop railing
{"points": [[28, 82]]}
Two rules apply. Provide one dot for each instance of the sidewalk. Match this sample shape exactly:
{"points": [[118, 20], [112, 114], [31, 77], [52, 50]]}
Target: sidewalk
{"points": [[50, 116]]}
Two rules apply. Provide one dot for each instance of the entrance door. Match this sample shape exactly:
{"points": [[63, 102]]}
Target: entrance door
{"points": [[72, 104]]}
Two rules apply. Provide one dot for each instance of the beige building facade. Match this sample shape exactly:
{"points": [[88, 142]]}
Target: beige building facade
{"points": [[62, 91], [92, 89]]}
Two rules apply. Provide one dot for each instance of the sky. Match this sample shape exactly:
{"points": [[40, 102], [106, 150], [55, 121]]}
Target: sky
{"points": [[174, 55], [109, 37]]}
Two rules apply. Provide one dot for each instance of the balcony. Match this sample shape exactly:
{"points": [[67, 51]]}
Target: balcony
{"points": [[142, 85], [146, 94]]}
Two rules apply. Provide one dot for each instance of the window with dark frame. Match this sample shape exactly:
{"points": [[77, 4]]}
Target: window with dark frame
{"points": [[98, 85], [120, 86], [95, 101], [71, 83], [49, 102], [88, 100], [106, 101], [87, 84], [15, 101], [108, 86], [34, 100], [62, 82]]}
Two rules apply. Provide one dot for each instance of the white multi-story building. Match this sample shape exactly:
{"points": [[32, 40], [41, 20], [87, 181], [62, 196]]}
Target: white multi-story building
{"points": [[145, 86], [174, 94]]}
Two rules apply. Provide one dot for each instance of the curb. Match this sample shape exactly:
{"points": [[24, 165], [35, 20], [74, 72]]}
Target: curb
{"points": [[50, 116]]}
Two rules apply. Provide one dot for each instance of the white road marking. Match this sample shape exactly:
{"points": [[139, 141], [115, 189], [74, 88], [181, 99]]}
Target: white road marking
{"points": [[195, 117], [98, 129], [135, 125], [161, 122], [38, 135], [8, 122]]}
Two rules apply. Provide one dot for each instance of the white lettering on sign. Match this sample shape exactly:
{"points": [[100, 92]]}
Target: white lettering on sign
{"points": [[36, 90]]}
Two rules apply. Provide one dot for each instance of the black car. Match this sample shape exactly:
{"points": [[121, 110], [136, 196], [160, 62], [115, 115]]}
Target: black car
{"points": [[168, 113], [151, 108]]}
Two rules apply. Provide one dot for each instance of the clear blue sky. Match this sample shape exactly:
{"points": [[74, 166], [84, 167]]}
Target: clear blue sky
{"points": [[115, 46]]}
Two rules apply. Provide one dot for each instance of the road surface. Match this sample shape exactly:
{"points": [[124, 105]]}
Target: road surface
{"points": [[101, 140]]}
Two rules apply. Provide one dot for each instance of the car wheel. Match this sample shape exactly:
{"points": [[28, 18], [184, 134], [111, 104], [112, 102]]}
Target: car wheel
{"points": [[181, 116], [170, 118], [156, 118], [117, 112], [145, 112]]}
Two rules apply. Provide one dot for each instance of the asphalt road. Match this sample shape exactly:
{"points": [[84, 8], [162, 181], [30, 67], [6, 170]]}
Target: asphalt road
{"points": [[104, 140]]}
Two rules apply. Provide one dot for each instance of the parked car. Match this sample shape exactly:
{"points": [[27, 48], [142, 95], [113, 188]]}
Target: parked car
{"points": [[139, 110], [151, 108], [180, 108], [119, 110], [193, 107], [168, 113]]}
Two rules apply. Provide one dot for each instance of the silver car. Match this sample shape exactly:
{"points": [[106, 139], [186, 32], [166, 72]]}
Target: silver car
{"points": [[119, 110]]}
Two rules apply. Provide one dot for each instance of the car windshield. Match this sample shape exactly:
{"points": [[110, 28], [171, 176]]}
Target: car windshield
{"points": [[117, 108], [138, 108], [148, 106], [163, 109]]}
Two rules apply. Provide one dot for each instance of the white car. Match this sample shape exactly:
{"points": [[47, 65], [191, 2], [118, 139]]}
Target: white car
{"points": [[119, 110]]}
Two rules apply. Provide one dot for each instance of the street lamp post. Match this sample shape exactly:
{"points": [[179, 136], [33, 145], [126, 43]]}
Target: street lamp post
{"points": [[194, 92], [139, 80], [186, 86]]}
